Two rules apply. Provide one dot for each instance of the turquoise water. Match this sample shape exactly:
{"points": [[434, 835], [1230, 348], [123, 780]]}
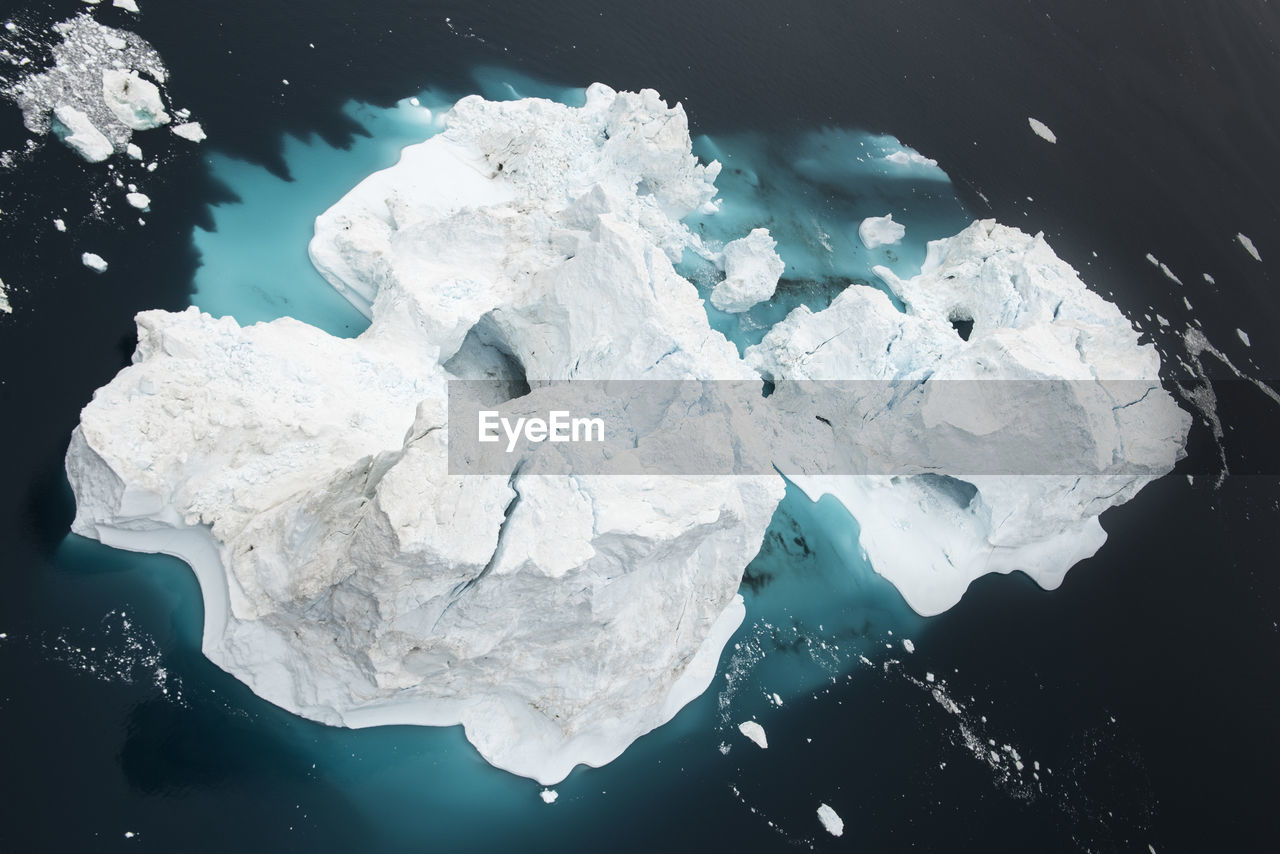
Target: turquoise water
{"points": [[814, 604]]}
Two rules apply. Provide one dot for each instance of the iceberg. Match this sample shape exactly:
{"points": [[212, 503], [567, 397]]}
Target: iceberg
{"points": [[752, 268], [132, 100], [831, 821], [351, 577], [5, 307], [996, 317], [877, 231], [755, 732], [347, 575], [94, 262], [79, 134]]}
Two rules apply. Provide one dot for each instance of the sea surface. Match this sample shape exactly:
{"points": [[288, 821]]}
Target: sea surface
{"points": [[1133, 709]]}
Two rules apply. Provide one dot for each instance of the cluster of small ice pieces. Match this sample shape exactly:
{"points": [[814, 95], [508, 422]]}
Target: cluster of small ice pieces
{"points": [[103, 85], [116, 651], [350, 578]]}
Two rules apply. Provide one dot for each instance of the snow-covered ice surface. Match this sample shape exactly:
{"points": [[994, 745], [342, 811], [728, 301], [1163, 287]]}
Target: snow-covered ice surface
{"points": [[94, 262], [752, 268]]}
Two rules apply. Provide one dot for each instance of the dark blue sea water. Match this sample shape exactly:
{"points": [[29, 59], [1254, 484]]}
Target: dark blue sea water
{"points": [[1145, 688]]}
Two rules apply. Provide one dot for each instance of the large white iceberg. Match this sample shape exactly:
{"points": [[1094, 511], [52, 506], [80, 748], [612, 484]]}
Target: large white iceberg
{"points": [[347, 575], [350, 577]]}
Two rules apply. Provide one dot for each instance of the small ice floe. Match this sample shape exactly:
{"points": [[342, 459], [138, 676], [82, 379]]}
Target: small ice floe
{"points": [[94, 262], [127, 5], [830, 820], [755, 732], [59, 225], [1248, 246], [79, 134], [129, 834], [191, 131], [5, 308], [1209, 279], [549, 796], [1042, 130], [908, 645], [777, 701], [1244, 336], [880, 231], [141, 201], [133, 151]]}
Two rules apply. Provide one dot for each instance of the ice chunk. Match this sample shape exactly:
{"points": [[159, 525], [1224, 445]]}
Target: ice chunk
{"points": [[908, 645], [755, 732], [134, 101], [549, 796], [94, 262], [1244, 336], [1042, 130], [59, 225], [830, 820], [191, 131], [876, 231], [133, 151], [5, 307], [127, 5], [79, 134], [1248, 246], [752, 268], [141, 201]]}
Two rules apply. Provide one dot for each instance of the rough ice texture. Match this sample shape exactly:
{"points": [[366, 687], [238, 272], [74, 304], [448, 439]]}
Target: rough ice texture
{"points": [[93, 89], [752, 268], [94, 262], [346, 575], [1032, 318], [1041, 130], [831, 820], [755, 732], [5, 307], [876, 231], [80, 134]]}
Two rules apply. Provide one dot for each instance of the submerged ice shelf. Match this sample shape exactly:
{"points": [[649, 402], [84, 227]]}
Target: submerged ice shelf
{"points": [[350, 578]]}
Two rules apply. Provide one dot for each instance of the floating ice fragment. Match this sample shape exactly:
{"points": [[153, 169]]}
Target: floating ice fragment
{"points": [[5, 308], [127, 5], [59, 225], [79, 134], [908, 645], [755, 732], [1244, 336], [752, 268], [191, 131], [1042, 130], [831, 820], [134, 101], [1248, 246], [880, 231], [94, 262], [549, 796], [141, 201]]}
